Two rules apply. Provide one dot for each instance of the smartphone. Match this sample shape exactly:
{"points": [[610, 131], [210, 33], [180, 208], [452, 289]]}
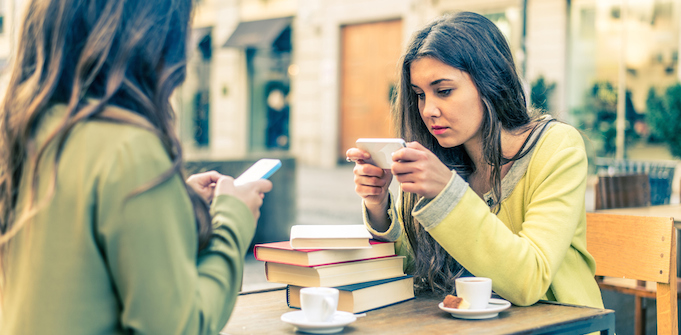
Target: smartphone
{"points": [[381, 150], [262, 169]]}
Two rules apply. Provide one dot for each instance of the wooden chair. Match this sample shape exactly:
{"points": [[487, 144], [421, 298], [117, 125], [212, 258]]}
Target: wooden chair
{"points": [[640, 248], [619, 191]]}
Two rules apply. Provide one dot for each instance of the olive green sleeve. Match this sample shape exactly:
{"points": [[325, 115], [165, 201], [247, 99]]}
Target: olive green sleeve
{"points": [[149, 241]]}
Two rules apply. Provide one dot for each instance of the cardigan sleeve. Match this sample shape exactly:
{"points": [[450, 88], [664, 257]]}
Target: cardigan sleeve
{"points": [[149, 242], [522, 264], [394, 233]]}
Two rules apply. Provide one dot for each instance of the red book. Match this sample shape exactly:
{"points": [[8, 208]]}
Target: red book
{"points": [[282, 252]]}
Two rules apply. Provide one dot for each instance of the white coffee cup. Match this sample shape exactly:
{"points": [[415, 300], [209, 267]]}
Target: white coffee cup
{"points": [[476, 290], [319, 303]]}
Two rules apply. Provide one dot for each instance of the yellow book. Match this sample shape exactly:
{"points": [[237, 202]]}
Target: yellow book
{"points": [[337, 274]]}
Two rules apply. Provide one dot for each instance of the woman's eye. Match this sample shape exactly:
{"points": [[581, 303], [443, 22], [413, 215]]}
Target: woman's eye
{"points": [[444, 93], [421, 96]]}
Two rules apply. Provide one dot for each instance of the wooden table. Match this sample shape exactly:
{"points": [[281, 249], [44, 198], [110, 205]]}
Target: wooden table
{"points": [[260, 312]]}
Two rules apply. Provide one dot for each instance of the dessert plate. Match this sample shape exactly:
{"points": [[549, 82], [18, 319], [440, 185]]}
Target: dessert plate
{"points": [[493, 308], [340, 320]]}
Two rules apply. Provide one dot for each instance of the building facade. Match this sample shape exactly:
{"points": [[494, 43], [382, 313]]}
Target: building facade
{"points": [[305, 78], [343, 67]]}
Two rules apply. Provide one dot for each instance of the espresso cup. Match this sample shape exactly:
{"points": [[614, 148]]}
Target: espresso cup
{"points": [[476, 290], [319, 303]]}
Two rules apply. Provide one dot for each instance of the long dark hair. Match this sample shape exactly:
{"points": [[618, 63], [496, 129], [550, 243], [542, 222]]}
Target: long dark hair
{"points": [[473, 44], [88, 54]]}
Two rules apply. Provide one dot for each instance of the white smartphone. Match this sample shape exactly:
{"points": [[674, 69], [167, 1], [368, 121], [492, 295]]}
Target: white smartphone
{"points": [[381, 150], [262, 169]]}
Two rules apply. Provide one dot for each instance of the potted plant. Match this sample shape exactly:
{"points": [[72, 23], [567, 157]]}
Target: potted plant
{"points": [[664, 117]]}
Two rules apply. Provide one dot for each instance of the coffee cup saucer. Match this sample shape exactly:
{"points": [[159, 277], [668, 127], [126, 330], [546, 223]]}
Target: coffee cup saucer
{"points": [[493, 308], [339, 321]]}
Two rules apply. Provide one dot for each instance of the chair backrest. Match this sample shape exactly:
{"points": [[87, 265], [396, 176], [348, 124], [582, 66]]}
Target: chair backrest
{"points": [[661, 173], [640, 248], [619, 191]]}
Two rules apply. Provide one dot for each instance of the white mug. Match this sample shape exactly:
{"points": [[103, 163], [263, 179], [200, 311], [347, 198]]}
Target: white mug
{"points": [[319, 303], [476, 290]]}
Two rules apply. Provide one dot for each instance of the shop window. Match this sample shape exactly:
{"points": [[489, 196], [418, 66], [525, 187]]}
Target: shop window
{"points": [[267, 45], [598, 28]]}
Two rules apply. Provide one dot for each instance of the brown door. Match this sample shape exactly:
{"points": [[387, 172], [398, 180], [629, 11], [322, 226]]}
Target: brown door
{"points": [[369, 57]]}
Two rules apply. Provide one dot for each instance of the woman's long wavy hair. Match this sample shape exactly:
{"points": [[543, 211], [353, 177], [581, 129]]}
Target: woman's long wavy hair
{"points": [[88, 54], [473, 44]]}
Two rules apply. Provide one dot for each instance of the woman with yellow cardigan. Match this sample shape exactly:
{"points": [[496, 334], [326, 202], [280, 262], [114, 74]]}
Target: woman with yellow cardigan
{"points": [[487, 188]]}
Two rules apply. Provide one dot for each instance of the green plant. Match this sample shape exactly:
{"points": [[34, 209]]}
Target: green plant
{"points": [[540, 94], [664, 117], [597, 118]]}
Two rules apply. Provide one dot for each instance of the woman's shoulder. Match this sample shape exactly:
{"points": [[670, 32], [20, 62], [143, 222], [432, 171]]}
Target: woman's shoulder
{"points": [[118, 148], [560, 141], [112, 125], [559, 134], [115, 134], [115, 127]]}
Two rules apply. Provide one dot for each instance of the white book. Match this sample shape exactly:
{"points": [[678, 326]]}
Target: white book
{"points": [[330, 237]]}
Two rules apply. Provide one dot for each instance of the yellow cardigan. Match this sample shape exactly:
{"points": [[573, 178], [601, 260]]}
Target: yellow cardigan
{"points": [[535, 247], [95, 261]]}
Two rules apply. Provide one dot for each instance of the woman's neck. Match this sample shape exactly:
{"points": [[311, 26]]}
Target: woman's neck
{"points": [[481, 179], [510, 145]]}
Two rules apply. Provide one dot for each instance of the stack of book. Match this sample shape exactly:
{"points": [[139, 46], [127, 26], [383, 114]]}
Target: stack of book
{"points": [[367, 273]]}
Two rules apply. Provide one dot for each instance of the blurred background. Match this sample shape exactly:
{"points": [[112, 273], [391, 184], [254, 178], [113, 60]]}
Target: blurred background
{"points": [[301, 80]]}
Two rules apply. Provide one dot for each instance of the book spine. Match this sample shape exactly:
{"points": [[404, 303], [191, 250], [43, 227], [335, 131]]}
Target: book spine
{"points": [[385, 305], [288, 295]]}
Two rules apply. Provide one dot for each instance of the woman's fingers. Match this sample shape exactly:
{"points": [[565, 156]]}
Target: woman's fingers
{"points": [[368, 170], [371, 182], [251, 193], [204, 184], [355, 154], [419, 171], [262, 186], [204, 178], [413, 152]]}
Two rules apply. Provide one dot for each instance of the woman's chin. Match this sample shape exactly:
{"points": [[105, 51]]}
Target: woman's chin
{"points": [[447, 142]]}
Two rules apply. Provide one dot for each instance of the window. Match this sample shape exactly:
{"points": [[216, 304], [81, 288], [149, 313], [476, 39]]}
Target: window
{"points": [[651, 44]]}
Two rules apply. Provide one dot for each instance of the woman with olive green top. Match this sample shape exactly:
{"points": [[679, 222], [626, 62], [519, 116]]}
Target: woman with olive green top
{"points": [[99, 231], [95, 260]]}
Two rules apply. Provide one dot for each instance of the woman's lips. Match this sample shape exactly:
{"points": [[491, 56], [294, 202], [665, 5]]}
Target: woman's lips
{"points": [[437, 130]]}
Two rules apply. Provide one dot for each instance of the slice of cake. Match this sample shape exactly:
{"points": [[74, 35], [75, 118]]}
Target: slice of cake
{"points": [[456, 302]]}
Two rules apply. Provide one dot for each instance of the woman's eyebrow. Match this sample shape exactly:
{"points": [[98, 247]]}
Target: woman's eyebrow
{"points": [[439, 81], [434, 82]]}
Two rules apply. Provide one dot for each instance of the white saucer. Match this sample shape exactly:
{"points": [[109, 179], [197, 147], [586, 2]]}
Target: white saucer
{"points": [[493, 308], [340, 320]]}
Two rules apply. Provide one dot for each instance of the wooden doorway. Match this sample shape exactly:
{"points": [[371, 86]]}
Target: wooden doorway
{"points": [[369, 56]]}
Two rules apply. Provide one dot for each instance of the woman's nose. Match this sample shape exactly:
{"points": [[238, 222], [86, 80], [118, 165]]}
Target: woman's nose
{"points": [[430, 108]]}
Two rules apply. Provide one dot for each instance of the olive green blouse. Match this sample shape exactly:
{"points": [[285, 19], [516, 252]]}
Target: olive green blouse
{"points": [[96, 260]]}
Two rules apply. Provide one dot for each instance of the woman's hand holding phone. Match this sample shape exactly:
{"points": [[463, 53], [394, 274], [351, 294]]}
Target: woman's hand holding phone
{"points": [[251, 193], [371, 183], [251, 186], [204, 184], [419, 171]]}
